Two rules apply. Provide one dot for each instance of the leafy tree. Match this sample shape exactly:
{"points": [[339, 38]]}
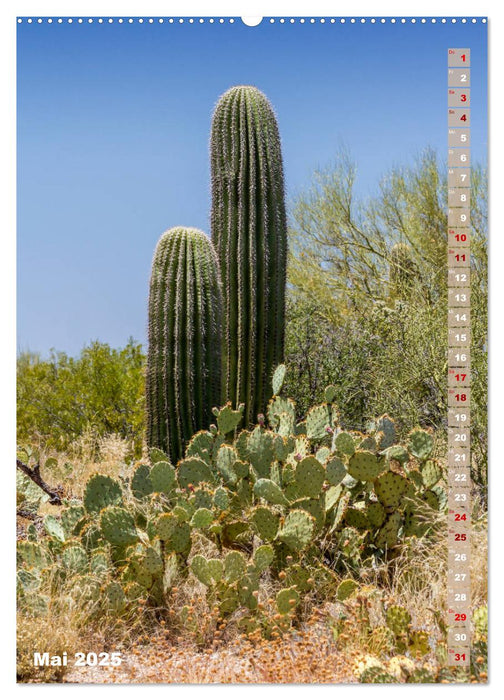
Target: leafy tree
{"points": [[60, 398], [368, 284]]}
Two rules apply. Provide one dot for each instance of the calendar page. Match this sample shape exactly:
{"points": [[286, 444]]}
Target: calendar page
{"points": [[252, 350]]}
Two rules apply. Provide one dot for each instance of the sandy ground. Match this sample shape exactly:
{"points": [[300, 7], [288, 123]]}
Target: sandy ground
{"points": [[287, 662]]}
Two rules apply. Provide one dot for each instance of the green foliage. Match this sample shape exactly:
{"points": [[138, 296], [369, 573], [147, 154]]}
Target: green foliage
{"points": [[252, 247], [367, 305], [403, 271], [61, 398], [184, 359]]}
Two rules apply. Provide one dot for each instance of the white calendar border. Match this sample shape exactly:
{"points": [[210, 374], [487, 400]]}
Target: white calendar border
{"points": [[430, 8]]}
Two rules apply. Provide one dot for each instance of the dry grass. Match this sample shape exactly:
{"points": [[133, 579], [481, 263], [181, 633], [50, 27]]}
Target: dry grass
{"points": [[158, 646], [309, 656], [44, 634], [110, 455]]}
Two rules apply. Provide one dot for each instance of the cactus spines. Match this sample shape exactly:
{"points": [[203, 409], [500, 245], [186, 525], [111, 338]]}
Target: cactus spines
{"points": [[72, 519], [344, 443], [376, 514], [390, 488], [420, 443], [365, 466], [141, 484], [271, 492], [386, 426], [398, 620], [184, 358], [286, 600], [193, 471], [199, 567], [317, 420], [54, 528], [431, 473], [263, 557], [162, 476], [118, 526], [357, 518], [74, 559], [101, 491], [261, 452], [202, 518], [266, 523], [310, 476], [276, 407], [234, 566], [297, 530], [340, 511], [175, 535], [278, 378], [114, 598], [335, 471], [249, 232], [387, 534]]}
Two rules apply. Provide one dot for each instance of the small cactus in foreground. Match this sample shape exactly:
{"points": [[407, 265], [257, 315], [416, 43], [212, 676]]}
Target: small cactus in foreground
{"points": [[249, 231], [183, 367]]}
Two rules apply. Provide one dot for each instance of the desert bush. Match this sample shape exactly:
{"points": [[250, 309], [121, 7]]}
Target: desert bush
{"points": [[61, 399], [368, 297]]}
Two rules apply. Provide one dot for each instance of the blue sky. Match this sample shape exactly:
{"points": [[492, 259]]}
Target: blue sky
{"points": [[113, 129]]}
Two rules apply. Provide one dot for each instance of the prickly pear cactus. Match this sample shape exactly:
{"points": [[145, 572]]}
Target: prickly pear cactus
{"points": [[297, 530], [101, 491], [118, 526], [294, 512]]}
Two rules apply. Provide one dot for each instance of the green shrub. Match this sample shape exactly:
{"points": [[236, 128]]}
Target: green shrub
{"points": [[60, 398], [367, 306]]}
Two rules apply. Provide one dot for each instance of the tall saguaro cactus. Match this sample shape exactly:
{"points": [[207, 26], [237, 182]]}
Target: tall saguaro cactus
{"points": [[249, 232], [184, 357]]}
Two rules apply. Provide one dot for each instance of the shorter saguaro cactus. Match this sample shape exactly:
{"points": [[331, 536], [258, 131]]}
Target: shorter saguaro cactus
{"points": [[184, 358]]}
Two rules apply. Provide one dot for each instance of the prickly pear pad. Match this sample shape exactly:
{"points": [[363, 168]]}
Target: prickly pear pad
{"points": [[365, 466], [297, 530]]}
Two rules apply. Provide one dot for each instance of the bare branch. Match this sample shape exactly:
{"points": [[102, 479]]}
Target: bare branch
{"points": [[34, 475]]}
